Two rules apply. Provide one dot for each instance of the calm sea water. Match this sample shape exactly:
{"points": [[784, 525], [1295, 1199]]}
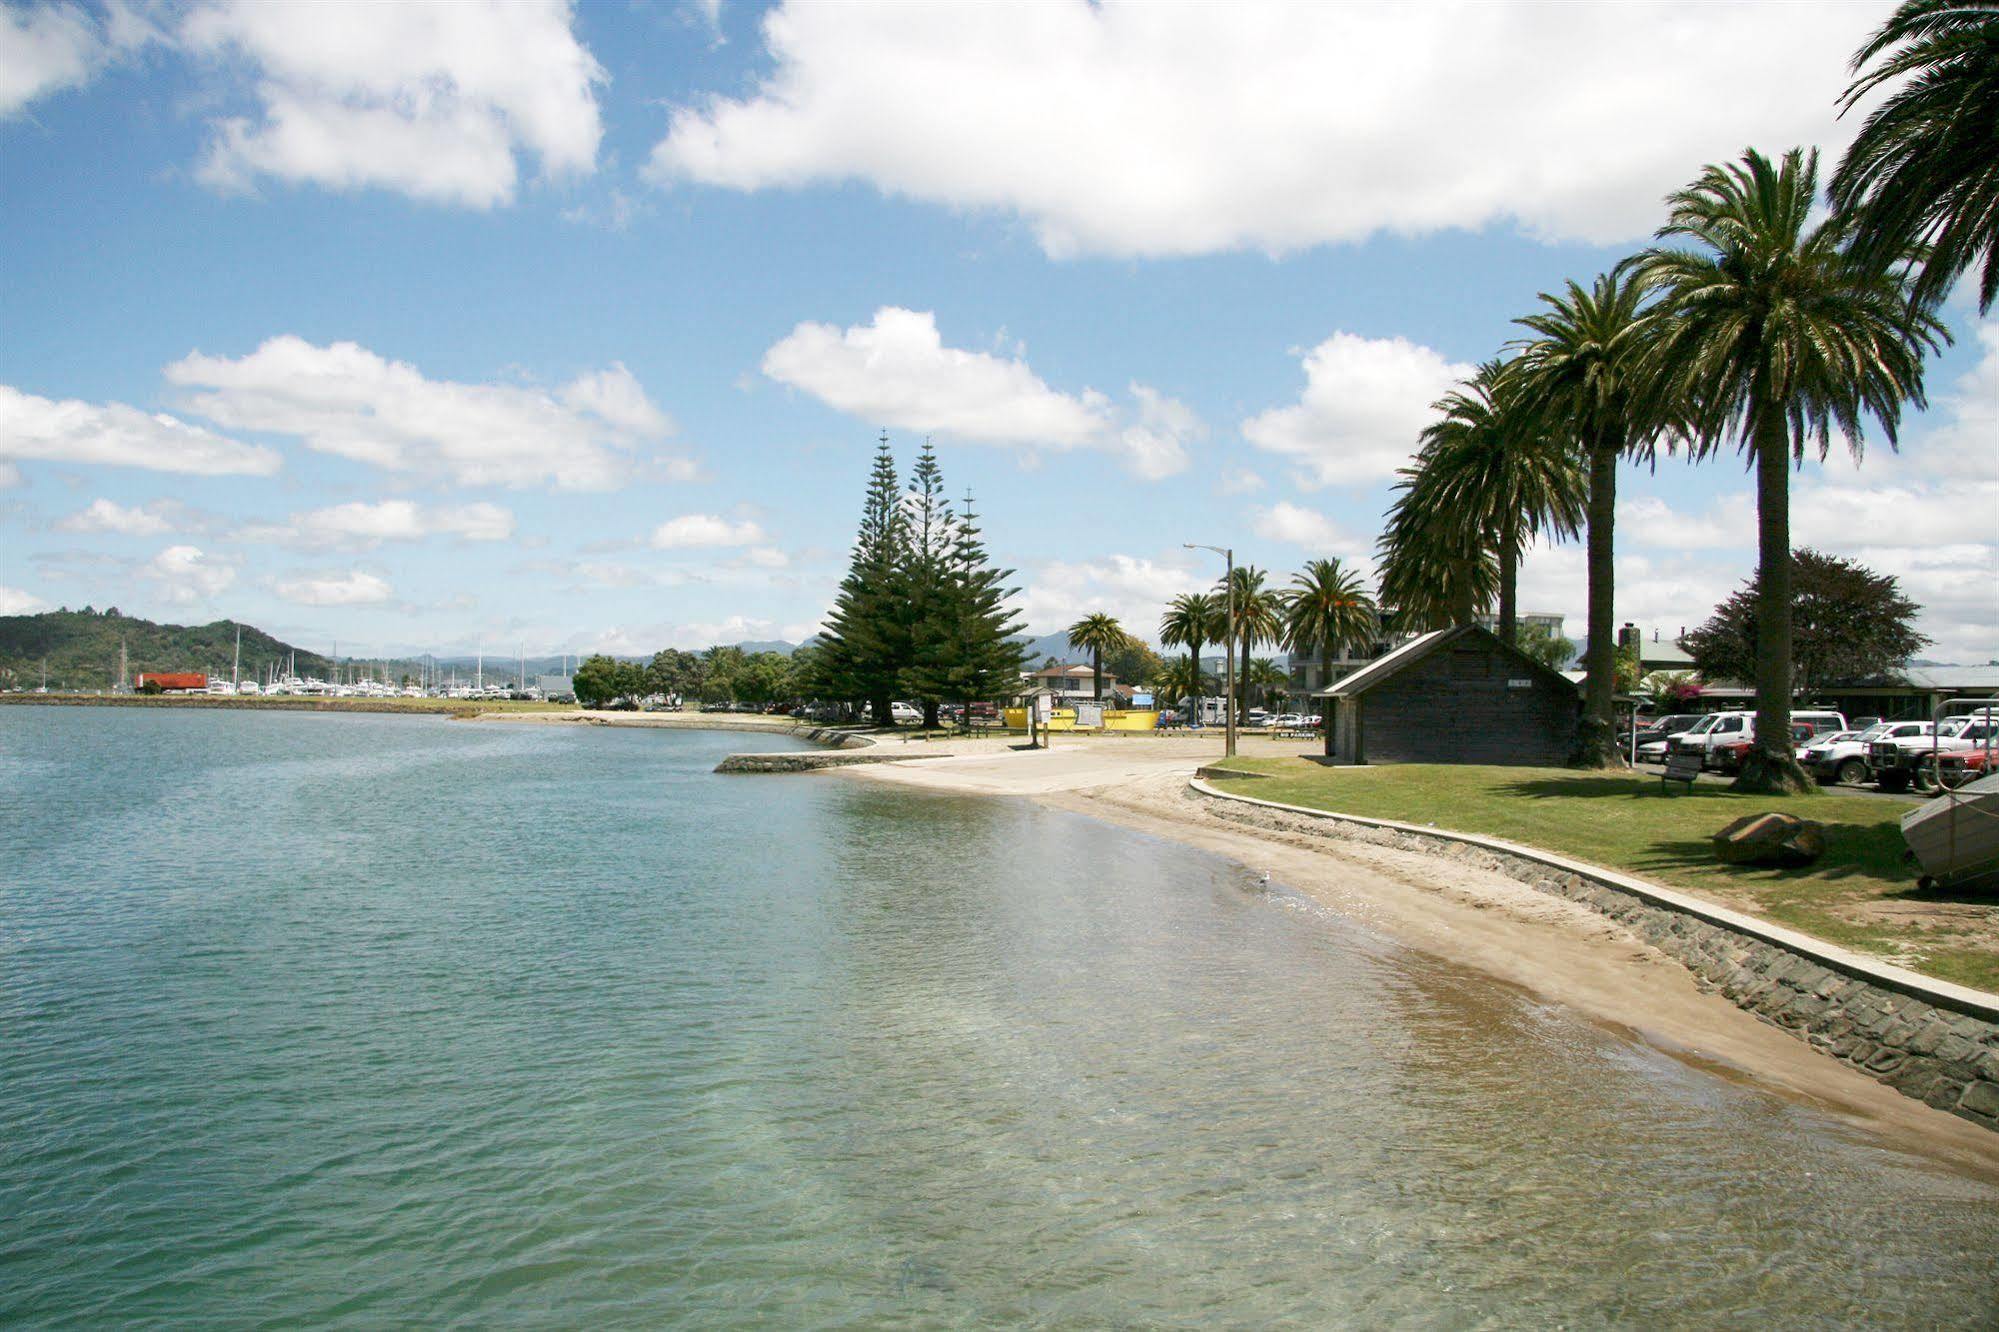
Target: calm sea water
{"points": [[374, 1020]]}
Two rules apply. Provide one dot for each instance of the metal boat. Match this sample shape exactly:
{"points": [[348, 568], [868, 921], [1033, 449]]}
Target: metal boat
{"points": [[1955, 837]]}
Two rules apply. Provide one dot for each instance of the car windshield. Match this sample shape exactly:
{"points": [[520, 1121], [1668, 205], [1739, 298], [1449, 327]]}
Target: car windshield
{"points": [[1704, 725]]}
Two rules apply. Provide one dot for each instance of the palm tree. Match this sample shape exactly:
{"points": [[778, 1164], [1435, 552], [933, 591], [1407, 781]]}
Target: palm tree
{"points": [[1189, 622], [1436, 569], [1181, 679], [1494, 468], [1258, 619], [1328, 610], [1265, 677], [1922, 177], [1098, 634], [1771, 335], [1580, 379]]}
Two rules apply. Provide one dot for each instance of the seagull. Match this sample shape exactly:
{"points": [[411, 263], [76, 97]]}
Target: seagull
{"points": [[1264, 877]]}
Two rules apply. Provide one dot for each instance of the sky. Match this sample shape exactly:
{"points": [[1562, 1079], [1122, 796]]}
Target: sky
{"points": [[573, 328]]}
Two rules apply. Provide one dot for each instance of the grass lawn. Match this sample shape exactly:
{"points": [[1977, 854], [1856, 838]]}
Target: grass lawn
{"points": [[1860, 893]]}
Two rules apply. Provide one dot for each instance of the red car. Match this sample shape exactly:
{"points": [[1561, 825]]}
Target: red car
{"points": [[1728, 757]]}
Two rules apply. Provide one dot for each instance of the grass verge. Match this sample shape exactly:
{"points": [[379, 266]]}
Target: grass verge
{"points": [[1860, 894]]}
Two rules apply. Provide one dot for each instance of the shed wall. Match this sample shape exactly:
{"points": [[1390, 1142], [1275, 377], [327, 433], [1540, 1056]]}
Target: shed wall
{"points": [[1468, 702]]}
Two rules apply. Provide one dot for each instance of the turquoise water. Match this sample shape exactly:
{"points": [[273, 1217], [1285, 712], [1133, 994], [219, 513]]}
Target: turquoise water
{"points": [[312, 1019]]}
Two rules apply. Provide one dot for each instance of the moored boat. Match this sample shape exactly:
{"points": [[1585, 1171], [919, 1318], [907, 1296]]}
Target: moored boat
{"points": [[1955, 837]]}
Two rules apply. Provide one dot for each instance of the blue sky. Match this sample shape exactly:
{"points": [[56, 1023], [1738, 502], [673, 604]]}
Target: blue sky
{"points": [[423, 327]]}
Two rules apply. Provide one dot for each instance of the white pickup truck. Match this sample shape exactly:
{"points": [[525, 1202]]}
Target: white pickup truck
{"points": [[1842, 756], [1898, 764], [1726, 728]]}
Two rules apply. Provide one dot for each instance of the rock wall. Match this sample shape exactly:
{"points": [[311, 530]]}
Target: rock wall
{"points": [[1924, 1043]]}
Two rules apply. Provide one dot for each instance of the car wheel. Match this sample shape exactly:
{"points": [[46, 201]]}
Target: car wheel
{"points": [[1926, 779], [1851, 773]]}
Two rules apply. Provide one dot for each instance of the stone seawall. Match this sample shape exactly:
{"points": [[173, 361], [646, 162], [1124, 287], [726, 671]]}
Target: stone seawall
{"points": [[1930, 1040]]}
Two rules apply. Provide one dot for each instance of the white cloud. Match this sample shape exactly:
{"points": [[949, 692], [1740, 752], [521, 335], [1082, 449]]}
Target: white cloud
{"points": [[1365, 402], [366, 525], [45, 49], [1648, 522], [13, 601], [113, 434], [615, 395], [1297, 525], [346, 400], [186, 575], [766, 557], [334, 589], [435, 101], [103, 515], [1125, 127], [896, 371], [696, 530], [1135, 590], [1241, 481]]}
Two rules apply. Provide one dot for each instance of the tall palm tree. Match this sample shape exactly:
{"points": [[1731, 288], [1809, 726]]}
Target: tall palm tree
{"points": [[1098, 634], [1189, 622], [1771, 335], [1495, 468], [1436, 568], [1328, 610], [1580, 377], [1922, 176], [1258, 619]]}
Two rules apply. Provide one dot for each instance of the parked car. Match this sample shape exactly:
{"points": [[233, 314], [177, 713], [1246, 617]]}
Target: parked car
{"points": [[1727, 728], [1841, 756], [905, 714], [1727, 758], [1958, 766], [1661, 729], [1896, 765]]}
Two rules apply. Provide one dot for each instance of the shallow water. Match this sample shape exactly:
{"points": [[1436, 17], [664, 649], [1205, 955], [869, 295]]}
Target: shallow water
{"points": [[310, 1018]]}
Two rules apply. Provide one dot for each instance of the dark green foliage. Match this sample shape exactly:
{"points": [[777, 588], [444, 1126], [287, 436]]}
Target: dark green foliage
{"points": [[601, 681], [1922, 177], [1545, 646], [1133, 664], [921, 613], [82, 649], [970, 651], [866, 643], [1849, 625]]}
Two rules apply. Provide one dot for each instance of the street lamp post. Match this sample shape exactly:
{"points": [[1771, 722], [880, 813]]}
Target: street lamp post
{"points": [[1228, 659]]}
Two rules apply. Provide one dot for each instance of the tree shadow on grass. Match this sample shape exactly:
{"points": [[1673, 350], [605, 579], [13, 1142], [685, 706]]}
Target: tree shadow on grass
{"points": [[1630, 786], [1851, 851]]}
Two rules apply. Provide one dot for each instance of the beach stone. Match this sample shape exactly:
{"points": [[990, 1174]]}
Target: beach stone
{"points": [[1770, 839], [1982, 1098]]}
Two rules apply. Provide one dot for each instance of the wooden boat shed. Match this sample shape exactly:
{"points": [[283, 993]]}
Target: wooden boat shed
{"points": [[1457, 695]]}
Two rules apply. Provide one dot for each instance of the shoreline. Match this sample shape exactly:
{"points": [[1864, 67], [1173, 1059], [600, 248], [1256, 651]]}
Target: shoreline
{"points": [[1558, 950]]}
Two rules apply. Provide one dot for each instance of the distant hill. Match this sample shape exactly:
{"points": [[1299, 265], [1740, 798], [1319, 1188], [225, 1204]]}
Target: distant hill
{"points": [[1034, 651], [81, 649]]}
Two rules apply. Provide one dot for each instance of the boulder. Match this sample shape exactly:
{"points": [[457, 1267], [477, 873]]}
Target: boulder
{"points": [[1770, 839]]}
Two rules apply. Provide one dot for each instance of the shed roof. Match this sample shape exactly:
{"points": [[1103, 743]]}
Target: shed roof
{"points": [[1422, 646]]}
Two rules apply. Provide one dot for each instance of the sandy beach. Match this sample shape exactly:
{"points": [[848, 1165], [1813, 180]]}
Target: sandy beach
{"points": [[1558, 950]]}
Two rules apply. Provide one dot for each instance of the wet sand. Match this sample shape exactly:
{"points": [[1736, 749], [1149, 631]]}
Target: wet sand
{"points": [[1556, 949]]}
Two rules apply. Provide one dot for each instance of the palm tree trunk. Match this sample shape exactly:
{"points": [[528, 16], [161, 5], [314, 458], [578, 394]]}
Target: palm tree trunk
{"points": [[1771, 765], [1597, 742], [1242, 685], [1326, 682], [1097, 674], [1509, 581]]}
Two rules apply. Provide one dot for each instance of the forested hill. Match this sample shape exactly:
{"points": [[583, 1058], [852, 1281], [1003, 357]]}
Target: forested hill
{"points": [[81, 648]]}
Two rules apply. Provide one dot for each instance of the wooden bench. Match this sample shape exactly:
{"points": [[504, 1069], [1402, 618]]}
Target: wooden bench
{"points": [[1680, 768]]}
